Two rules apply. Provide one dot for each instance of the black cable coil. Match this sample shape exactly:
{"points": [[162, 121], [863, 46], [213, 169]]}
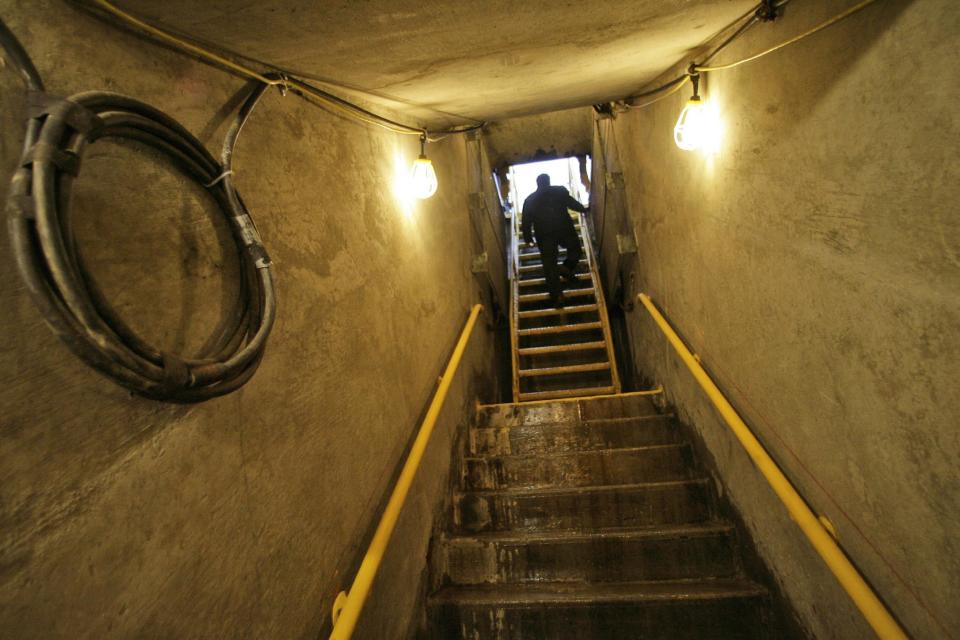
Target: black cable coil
{"points": [[60, 283]]}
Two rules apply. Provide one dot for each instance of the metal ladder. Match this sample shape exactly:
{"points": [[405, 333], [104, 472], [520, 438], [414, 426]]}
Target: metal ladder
{"points": [[559, 353]]}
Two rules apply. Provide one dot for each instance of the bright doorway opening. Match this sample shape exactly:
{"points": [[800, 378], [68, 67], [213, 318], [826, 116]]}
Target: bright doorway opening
{"points": [[572, 173]]}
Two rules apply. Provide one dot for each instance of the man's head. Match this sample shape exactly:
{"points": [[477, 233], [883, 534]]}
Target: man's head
{"points": [[543, 180]]}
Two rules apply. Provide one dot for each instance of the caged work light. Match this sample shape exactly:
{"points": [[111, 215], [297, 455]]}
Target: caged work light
{"points": [[423, 179], [698, 126]]}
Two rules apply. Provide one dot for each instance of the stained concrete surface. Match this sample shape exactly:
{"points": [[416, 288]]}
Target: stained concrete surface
{"points": [[553, 545], [437, 60], [489, 228], [546, 136], [239, 517], [813, 265]]}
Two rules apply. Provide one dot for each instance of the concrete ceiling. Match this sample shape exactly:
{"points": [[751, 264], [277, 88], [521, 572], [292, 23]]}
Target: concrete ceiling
{"points": [[442, 61]]}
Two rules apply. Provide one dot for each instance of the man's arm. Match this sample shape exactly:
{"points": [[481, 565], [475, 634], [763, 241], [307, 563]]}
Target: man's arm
{"points": [[573, 203], [527, 218]]}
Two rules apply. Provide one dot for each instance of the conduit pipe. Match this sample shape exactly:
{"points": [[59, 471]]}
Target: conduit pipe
{"points": [[53, 268]]}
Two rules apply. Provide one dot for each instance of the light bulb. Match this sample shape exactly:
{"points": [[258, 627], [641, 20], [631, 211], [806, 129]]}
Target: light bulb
{"points": [[691, 129], [423, 179], [699, 127]]}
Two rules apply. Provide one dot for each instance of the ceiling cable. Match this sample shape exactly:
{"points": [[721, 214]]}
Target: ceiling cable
{"points": [[183, 44], [823, 25], [736, 34], [681, 82], [280, 79], [752, 18]]}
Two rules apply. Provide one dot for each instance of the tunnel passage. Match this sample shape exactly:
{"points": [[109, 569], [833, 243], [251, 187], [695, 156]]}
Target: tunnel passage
{"points": [[807, 256]]}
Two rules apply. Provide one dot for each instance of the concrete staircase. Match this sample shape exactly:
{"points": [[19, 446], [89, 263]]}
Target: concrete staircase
{"points": [[589, 519], [565, 352]]}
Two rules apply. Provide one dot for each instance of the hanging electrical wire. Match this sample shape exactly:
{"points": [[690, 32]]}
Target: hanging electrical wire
{"points": [[57, 277], [681, 82], [278, 77], [764, 11], [823, 25], [750, 18]]}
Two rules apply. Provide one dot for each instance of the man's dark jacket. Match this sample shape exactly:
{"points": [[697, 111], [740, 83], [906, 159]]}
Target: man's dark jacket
{"points": [[545, 210]]}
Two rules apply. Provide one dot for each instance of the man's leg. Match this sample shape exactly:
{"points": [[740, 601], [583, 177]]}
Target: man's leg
{"points": [[574, 253], [548, 255]]}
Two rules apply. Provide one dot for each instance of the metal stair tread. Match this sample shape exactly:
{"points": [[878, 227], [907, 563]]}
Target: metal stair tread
{"points": [[565, 369], [534, 267], [561, 348], [537, 254], [521, 492], [588, 594], [532, 282], [575, 293], [561, 328], [519, 232], [653, 532], [539, 313], [565, 393], [526, 272]]}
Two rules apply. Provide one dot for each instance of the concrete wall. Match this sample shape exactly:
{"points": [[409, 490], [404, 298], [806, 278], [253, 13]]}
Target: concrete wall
{"points": [[489, 225], [558, 134], [240, 517], [814, 264]]}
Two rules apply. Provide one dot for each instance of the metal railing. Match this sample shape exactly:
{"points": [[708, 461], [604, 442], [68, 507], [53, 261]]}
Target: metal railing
{"points": [[601, 302], [347, 607], [514, 275], [816, 529]]}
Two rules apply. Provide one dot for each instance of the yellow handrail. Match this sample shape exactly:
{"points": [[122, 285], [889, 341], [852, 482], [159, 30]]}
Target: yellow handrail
{"points": [[853, 583], [346, 609]]}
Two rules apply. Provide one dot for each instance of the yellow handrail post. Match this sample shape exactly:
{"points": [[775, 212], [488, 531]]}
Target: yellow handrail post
{"points": [[876, 614], [348, 605]]}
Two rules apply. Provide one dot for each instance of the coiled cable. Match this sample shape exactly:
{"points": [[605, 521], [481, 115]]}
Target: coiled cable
{"points": [[53, 268]]}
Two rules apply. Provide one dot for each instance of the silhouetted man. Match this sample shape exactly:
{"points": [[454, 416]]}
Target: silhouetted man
{"points": [[545, 212]]}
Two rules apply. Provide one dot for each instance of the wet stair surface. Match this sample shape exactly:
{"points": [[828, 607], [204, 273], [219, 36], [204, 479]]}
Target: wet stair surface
{"points": [[559, 352], [589, 519]]}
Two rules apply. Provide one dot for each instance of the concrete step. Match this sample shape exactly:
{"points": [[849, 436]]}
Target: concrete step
{"points": [[682, 610], [557, 438], [630, 555], [656, 463], [622, 406], [583, 508]]}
